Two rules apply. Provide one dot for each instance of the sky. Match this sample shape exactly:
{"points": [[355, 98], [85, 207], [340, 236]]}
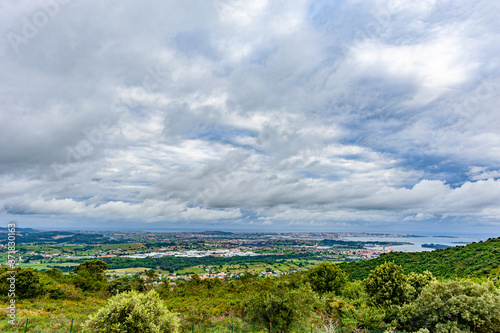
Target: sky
{"points": [[255, 115]]}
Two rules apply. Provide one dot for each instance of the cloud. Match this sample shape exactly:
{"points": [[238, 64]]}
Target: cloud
{"points": [[313, 114], [479, 173], [148, 210]]}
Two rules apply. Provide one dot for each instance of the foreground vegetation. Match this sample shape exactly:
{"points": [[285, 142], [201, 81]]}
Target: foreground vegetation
{"points": [[396, 294]]}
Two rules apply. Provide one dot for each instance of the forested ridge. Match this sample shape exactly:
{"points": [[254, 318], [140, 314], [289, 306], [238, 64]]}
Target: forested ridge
{"points": [[480, 259]]}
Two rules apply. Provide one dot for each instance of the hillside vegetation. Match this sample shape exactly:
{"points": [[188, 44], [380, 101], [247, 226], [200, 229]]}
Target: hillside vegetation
{"points": [[450, 290], [474, 260]]}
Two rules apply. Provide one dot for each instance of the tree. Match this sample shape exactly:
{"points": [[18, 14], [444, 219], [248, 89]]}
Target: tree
{"points": [[195, 280], [279, 308], [25, 283], [90, 275], [119, 285], [94, 269], [211, 283], [131, 312], [138, 284], [54, 273], [326, 277], [454, 306], [151, 275], [387, 285]]}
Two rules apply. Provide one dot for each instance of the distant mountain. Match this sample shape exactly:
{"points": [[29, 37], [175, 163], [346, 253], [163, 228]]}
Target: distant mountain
{"points": [[476, 259], [28, 235], [2, 229]]}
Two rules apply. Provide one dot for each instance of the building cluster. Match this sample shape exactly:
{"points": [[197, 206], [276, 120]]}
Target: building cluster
{"points": [[221, 275], [192, 253]]}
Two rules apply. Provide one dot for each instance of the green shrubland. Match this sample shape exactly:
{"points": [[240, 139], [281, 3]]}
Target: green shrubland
{"points": [[405, 294]]}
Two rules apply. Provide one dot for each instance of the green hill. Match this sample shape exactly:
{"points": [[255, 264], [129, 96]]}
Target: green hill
{"points": [[476, 259]]}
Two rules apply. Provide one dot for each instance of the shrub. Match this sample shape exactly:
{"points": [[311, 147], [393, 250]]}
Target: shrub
{"points": [[132, 312], [454, 306], [62, 291], [419, 282], [346, 315], [69, 291], [278, 305]]}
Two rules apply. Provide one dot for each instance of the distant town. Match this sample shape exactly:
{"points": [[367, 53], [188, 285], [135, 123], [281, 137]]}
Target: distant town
{"points": [[179, 255]]}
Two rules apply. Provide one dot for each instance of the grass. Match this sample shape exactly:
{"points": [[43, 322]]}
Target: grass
{"points": [[45, 265], [122, 246], [131, 270], [49, 316]]}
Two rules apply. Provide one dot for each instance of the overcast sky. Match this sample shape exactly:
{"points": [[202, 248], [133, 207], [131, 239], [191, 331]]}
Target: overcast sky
{"points": [[251, 115]]}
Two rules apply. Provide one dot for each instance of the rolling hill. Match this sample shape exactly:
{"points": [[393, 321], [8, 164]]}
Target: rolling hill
{"points": [[476, 259]]}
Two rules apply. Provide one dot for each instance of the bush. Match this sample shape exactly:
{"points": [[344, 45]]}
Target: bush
{"points": [[419, 282], [62, 291], [280, 306], [454, 306], [69, 291], [347, 315], [131, 312], [49, 287]]}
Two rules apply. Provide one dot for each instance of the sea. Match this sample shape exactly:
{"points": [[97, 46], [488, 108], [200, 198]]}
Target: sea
{"points": [[416, 242]]}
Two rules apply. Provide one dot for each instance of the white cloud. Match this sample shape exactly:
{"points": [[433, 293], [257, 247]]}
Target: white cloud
{"points": [[480, 173], [309, 113]]}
